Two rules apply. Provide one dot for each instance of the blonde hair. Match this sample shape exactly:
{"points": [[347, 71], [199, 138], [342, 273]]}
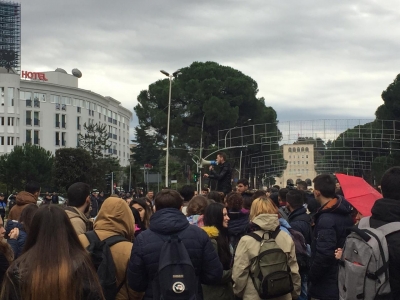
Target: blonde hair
{"points": [[262, 205]]}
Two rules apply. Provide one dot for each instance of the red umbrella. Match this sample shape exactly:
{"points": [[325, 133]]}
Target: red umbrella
{"points": [[359, 193]]}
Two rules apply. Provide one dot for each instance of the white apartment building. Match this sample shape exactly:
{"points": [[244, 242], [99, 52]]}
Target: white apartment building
{"points": [[48, 109], [300, 164]]}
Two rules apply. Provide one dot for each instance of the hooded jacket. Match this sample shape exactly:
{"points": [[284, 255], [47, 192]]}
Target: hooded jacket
{"points": [[223, 178], [248, 248], [16, 244], [223, 290], [143, 264], [330, 231], [78, 220], [301, 221], [386, 211], [22, 199], [238, 226], [115, 218]]}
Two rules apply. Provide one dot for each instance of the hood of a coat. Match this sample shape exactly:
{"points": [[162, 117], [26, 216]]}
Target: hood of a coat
{"points": [[115, 218], [167, 221], [267, 222], [211, 231], [23, 198], [387, 210], [299, 214], [238, 223]]}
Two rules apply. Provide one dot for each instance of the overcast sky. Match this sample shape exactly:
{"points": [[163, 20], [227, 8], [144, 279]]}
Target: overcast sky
{"points": [[311, 59]]}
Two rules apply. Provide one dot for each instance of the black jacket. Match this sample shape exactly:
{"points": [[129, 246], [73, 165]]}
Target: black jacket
{"points": [[224, 178], [238, 226], [385, 211], [143, 264], [331, 223], [299, 220], [95, 206]]}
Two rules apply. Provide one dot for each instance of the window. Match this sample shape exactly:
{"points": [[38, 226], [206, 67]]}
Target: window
{"points": [[298, 149], [78, 123], [302, 149], [10, 141], [306, 162], [36, 137], [57, 138], [28, 136], [306, 156], [2, 140], [294, 149], [10, 97], [25, 95], [28, 117], [36, 120], [58, 120], [39, 96], [306, 149], [2, 121], [63, 121], [10, 121], [294, 162], [2, 96], [54, 99], [290, 149], [87, 105], [63, 140]]}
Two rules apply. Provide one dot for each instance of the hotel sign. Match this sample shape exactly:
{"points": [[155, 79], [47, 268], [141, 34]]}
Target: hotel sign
{"points": [[34, 75]]}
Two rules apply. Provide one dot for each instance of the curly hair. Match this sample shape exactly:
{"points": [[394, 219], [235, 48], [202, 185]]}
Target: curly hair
{"points": [[234, 201], [197, 206]]}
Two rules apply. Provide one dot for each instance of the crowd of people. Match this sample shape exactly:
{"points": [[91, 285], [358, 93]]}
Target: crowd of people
{"points": [[283, 243]]}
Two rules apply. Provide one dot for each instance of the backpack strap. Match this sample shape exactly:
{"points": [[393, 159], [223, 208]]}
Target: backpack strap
{"points": [[92, 237], [389, 228], [115, 239], [364, 223], [255, 236]]}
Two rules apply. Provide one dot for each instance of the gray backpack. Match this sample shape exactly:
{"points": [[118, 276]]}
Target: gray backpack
{"points": [[363, 267]]}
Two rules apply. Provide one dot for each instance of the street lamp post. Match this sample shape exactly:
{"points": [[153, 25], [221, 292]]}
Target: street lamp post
{"points": [[175, 74], [200, 155], [130, 174], [234, 128]]}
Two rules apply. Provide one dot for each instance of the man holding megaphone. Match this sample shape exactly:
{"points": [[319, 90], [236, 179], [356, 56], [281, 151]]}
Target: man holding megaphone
{"points": [[225, 174]]}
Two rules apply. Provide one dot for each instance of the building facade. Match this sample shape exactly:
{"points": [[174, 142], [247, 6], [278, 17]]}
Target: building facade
{"points": [[48, 109], [300, 164]]}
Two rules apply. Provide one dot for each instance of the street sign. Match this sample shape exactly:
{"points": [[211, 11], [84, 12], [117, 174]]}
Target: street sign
{"points": [[174, 181]]}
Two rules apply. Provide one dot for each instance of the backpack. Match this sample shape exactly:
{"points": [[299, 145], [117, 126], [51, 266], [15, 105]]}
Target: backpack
{"points": [[270, 270], [363, 267], [103, 262], [176, 278], [302, 256]]}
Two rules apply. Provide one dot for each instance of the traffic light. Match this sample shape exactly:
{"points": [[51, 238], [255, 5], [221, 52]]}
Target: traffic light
{"points": [[195, 177], [108, 179]]}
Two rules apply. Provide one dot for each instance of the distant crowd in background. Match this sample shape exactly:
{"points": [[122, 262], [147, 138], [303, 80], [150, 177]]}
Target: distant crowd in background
{"points": [[233, 243]]}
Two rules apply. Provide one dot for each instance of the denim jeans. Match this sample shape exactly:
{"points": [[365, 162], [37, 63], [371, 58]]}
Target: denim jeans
{"points": [[304, 282]]}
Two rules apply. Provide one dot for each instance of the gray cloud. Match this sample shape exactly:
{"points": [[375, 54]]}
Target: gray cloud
{"points": [[310, 59]]}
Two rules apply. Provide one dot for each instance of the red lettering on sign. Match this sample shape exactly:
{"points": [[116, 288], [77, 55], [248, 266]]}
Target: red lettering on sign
{"points": [[34, 75]]}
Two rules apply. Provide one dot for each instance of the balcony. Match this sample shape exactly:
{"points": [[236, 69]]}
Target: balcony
{"points": [[64, 107], [64, 125], [28, 103], [64, 143], [109, 119], [57, 106], [78, 109], [36, 122], [36, 103], [36, 141], [78, 127], [114, 136], [57, 142], [28, 121], [57, 124]]}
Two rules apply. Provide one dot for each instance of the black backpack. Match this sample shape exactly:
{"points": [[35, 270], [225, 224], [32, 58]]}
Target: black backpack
{"points": [[176, 278], [302, 256], [103, 262]]}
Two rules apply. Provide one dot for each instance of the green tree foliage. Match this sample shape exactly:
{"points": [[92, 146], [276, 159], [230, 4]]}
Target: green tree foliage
{"points": [[225, 96], [95, 139], [26, 163], [147, 151], [390, 109], [71, 165], [221, 96]]}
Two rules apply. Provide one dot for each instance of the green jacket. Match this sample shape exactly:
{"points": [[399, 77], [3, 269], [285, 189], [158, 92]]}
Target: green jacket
{"points": [[222, 290]]}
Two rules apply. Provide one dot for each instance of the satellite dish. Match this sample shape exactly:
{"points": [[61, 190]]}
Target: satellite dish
{"points": [[76, 73], [61, 70]]}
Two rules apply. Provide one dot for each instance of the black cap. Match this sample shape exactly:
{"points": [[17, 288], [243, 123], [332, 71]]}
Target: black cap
{"points": [[1, 195]]}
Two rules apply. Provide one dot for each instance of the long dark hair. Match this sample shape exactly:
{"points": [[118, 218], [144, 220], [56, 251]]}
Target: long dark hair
{"points": [[27, 215], [54, 252], [147, 210], [214, 216]]}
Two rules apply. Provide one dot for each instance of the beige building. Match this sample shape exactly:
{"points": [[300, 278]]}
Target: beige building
{"points": [[300, 164]]}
